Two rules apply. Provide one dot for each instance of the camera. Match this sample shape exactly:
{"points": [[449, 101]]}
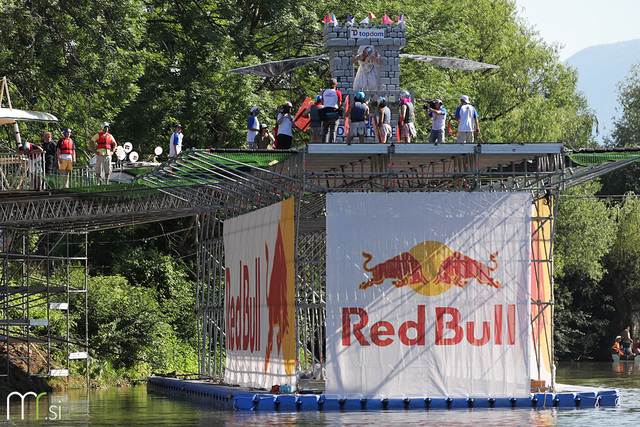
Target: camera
{"points": [[285, 109], [431, 103]]}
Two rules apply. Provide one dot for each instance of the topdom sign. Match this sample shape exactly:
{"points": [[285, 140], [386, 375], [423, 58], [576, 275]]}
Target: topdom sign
{"points": [[429, 296], [369, 33]]}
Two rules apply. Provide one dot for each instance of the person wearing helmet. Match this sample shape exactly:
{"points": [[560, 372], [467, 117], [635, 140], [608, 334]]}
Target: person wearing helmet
{"points": [[367, 75], [383, 120], [407, 117], [359, 115], [103, 144], [175, 142], [66, 152], [315, 123]]}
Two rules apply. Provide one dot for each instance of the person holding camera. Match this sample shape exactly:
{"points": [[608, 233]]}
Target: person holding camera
{"points": [[331, 99], [264, 138], [436, 111], [284, 138], [467, 117]]}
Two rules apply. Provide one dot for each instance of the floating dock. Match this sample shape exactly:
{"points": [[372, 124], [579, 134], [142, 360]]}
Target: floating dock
{"points": [[224, 397]]}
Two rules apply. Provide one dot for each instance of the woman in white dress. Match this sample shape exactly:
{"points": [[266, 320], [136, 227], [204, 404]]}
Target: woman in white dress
{"points": [[368, 63]]}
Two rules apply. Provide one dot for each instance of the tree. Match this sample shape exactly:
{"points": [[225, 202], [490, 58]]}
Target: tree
{"points": [[584, 235], [626, 129]]}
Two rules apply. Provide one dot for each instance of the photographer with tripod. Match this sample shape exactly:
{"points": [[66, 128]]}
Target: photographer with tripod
{"points": [[436, 111]]}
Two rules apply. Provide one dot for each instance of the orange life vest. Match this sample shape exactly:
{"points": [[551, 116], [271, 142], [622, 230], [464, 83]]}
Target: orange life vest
{"points": [[105, 140], [66, 147]]}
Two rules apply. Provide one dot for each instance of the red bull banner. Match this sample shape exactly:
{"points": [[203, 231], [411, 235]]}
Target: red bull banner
{"points": [[259, 297], [428, 295]]}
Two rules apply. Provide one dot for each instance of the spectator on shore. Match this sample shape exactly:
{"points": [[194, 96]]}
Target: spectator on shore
{"points": [[617, 347]]}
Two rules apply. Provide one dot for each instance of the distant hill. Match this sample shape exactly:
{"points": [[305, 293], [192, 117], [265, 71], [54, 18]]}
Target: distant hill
{"points": [[600, 70]]}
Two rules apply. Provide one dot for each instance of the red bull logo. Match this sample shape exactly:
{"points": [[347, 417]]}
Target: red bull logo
{"points": [[281, 292], [430, 268]]}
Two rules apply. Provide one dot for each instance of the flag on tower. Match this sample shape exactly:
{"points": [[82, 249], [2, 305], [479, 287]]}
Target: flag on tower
{"points": [[386, 19]]}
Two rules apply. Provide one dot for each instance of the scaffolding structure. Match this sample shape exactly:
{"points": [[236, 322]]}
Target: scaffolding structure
{"points": [[44, 234], [320, 169]]}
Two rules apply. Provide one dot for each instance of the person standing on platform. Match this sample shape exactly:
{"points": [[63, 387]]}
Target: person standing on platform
{"points": [[384, 120], [253, 126], [284, 139], [34, 156], [103, 144], [66, 153], [439, 116], [50, 154], [467, 117], [175, 142], [315, 124], [332, 100], [264, 138], [359, 114], [407, 117]]}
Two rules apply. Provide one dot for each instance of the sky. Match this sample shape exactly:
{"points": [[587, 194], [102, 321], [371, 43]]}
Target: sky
{"points": [[578, 24]]}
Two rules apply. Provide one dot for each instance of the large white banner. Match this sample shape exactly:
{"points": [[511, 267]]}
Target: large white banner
{"points": [[428, 295], [259, 297]]}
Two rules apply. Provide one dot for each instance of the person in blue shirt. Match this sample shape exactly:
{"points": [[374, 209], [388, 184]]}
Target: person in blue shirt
{"points": [[175, 143], [467, 117], [253, 126]]}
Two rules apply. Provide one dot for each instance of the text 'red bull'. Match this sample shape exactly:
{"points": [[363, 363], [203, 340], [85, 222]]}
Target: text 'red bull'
{"points": [[382, 333], [243, 310]]}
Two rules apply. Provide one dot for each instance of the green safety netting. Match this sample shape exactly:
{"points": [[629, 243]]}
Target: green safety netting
{"points": [[592, 159]]}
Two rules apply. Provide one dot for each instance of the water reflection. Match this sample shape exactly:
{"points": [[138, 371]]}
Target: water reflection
{"points": [[134, 406]]}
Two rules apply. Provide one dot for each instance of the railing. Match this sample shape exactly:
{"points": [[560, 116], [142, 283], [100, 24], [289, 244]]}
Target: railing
{"points": [[17, 172]]}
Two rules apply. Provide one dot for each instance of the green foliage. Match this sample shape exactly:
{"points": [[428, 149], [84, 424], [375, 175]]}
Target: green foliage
{"points": [[146, 65], [626, 131], [585, 233]]}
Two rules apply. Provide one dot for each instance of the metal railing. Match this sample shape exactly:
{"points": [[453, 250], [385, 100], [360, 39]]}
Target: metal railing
{"points": [[18, 172]]}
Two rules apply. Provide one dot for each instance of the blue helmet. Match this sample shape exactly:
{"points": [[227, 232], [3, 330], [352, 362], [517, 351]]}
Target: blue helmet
{"points": [[66, 131], [360, 96], [318, 99]]}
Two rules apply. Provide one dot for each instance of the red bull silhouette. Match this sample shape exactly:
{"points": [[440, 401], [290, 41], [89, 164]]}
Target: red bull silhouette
{"points": [[404, 267], [277, 303], [430, 268], [459, 269]]}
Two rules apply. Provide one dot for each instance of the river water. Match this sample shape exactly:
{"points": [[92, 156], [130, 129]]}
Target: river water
{"points": [[134, 406]]}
